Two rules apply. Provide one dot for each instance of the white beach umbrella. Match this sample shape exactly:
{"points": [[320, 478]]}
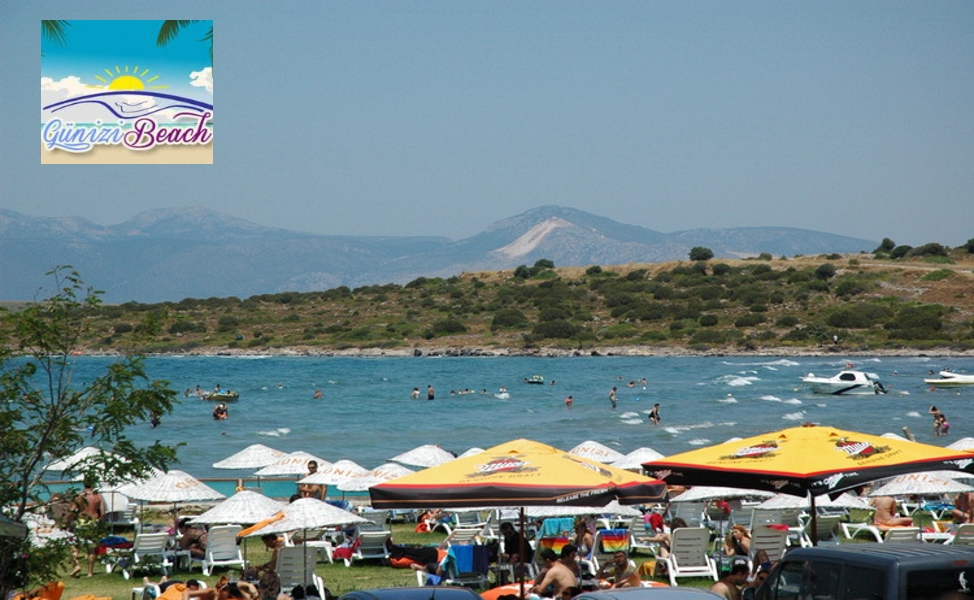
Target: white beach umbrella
{"points": [[336, 473], [471, 452], [378, 475], [390, 471], [255, 456], [789, 501], [593, 450], [894, 436], [612, 508], [77, 460], [294, 463], [965, 443], [174, 486], [702, 493], [635, 459], [428, 455], [245, 507], [920, 484], [309, 513]]}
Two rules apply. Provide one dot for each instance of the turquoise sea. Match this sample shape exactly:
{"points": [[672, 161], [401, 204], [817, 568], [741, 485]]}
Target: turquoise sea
{"points": [[366, 413]]}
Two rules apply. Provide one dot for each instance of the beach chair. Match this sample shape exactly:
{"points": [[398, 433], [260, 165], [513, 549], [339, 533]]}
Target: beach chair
{"points": [[762, 516], [296, 567], [826, 530], [607, 542], [464, 536], [149, 549], [688, 554], [221, 549], [901, 535], [468, 565], [964, 536], [691, 512], [640, 538], [853, 530], [371, 545], [377, 520], [772, 540]]}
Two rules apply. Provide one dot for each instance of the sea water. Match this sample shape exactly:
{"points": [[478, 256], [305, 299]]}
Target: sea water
{"points": [[366, 413]]}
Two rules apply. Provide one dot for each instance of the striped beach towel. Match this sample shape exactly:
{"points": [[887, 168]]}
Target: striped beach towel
{"points": [[614, 540], [554, 543]]}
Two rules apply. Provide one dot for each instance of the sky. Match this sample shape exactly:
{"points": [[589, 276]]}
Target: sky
{"points": [[440, 117]]}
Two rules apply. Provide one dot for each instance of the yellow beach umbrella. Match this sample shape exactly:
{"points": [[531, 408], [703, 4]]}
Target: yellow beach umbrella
{"points": [[518, 473], [805, 461]]}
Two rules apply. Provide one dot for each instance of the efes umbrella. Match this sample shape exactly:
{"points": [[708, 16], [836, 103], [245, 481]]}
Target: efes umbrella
{"points": [[635, 459], [807, 460], [255, 456], [295, 463], [518, 473], [427, 455], [920, 484], [244, 507], [596, 451], [174, 486], [335, 473]]}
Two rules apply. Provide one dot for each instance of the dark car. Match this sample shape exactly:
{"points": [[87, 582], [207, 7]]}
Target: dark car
{"points": [[888, 571], [649, 593], [414, 593]]}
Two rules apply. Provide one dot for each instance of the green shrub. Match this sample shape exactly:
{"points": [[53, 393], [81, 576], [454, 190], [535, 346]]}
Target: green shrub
{"points": [[708, 336], [708, 320], [786, 321], [227, 323], [448, 327], [508, 317], [701, 253], [749, 320], [555, 329], [593, 270], [860, 316], [938, 275]]}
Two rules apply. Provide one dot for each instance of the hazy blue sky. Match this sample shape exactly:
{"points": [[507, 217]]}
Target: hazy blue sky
{"points": [[438, 118]]}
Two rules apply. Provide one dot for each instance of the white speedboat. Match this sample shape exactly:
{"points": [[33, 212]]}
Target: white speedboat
{"points": [[951, 378], [845, 383]]}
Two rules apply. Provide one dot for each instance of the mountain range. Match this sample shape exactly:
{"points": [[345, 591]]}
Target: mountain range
{"points": [[175, 253]]}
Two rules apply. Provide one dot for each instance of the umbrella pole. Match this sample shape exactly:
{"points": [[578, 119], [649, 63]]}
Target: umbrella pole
{"points": [[814, 523], [521, 554]]}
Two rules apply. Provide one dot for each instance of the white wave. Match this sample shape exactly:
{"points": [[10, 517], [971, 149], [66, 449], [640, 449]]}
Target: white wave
{"points": [[629, 415], [914, 414], [632, 421], [795, 416], [903, 393], [271, 433], [741, 381], [502, 396], [699, 442], [783, 362], [770, 398], [672, 430], [284, 430], [793, 402], [728, 400], [821, 405]]}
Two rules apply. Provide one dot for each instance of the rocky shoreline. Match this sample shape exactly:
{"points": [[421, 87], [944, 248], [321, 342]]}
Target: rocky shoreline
{"points": [[554, 352]]}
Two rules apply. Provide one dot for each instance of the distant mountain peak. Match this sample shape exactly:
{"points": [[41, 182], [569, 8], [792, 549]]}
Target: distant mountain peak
{"points": [[533, 238]]}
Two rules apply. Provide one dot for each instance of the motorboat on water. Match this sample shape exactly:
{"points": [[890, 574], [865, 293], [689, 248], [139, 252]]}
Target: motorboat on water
{"points": [[950, 378], [846, 382], [535, 379], [221, 396]]}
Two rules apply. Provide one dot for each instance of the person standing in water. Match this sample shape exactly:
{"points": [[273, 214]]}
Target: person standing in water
{"points": [[613, 398], [430, 393], [654, 414]]}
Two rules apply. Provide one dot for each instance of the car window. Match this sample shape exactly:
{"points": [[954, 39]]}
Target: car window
{"points": [[785, 584], [932, 584], [821, 580], [861, 583]]}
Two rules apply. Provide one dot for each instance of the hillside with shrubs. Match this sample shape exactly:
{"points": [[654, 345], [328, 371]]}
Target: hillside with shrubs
{"points": [[894, 298]]}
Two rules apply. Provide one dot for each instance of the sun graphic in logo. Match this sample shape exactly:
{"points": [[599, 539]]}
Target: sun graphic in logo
{"points": [[127, 79]]}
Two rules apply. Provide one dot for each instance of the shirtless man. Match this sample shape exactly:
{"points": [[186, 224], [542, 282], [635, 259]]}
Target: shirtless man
{"points": [[557, 576], [618, 572], [729, 585], [91, 512], [886, 514]]}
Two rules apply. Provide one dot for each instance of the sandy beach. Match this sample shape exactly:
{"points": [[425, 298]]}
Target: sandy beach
{"points": [[119, 155]]}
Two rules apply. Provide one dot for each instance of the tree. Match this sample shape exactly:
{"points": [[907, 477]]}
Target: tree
{"points": [[970, 246], [885, 246], [44, 414], [170, 31], [701, 253], [825, 271]]}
